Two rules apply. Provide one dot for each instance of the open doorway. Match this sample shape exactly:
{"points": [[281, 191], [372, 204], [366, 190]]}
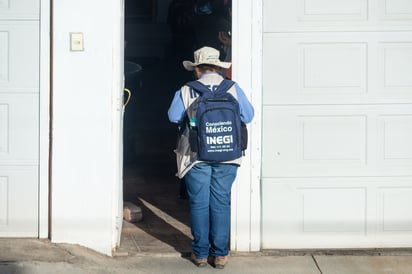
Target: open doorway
{"points": [[159, 35]]}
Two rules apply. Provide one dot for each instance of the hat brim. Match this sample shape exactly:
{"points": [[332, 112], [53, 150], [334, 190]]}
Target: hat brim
{"points": [[190, 66]]}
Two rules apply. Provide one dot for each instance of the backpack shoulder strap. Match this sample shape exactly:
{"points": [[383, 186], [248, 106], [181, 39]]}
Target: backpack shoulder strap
{"points": [[224, 86], [198, 86]]}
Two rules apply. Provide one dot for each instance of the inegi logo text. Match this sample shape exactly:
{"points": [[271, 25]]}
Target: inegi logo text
{"points": [[219, 140]]}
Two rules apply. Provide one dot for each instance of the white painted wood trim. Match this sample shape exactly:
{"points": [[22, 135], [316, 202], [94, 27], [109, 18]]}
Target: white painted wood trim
{"points": [[256, 127], [44, 106], [247, 71], [117, 122]]}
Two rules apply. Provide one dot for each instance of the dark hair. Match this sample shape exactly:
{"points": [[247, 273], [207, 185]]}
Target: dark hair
{"points": [[207, 67]]}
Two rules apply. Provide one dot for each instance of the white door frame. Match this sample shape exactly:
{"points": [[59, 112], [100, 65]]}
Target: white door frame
{"points": [[247, 24], [117, 121]]}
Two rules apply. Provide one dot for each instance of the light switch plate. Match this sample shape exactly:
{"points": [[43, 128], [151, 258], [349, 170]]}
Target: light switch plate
{"points": [[76, 41]]}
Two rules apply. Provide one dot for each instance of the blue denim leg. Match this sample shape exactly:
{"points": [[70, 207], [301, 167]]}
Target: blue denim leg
{"points": [[222, 179], [208, 187], [198, 188]]}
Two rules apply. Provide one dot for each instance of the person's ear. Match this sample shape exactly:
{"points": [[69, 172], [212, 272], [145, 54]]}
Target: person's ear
{"points": [[197, 72]]}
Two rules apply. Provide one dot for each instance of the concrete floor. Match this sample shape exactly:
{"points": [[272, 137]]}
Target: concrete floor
{"points": [[33, 256], [165, 224]]}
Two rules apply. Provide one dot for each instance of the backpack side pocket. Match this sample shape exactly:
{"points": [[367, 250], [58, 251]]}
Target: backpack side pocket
{"points": [[193, 140]]}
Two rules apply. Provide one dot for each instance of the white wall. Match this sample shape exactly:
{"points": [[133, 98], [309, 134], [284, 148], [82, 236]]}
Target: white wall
{"points": [[86, 103]]}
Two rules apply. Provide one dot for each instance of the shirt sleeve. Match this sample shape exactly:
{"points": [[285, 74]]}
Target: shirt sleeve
{"points": [[247, 111], [176, 110]]}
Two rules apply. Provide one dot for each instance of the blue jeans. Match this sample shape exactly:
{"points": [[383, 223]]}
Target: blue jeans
{"points": [[208, 187]]}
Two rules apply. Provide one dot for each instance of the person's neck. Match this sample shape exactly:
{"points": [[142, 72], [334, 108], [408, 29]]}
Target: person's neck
{"points": [[207, 72]]}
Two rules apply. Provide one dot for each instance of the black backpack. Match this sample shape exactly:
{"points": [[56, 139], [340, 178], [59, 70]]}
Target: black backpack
{"points": [[217, 133]]}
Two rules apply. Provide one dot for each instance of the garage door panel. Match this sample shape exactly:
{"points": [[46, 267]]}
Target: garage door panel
{"points": [[318, 210], [396, 67], [396, 10], [332, 138], [315, 207], [4, 187], [361, 140], [19, 126], [19, 62], [336, 212], [305, 141], [4, 59], [326, 209], [395, 132], [332, 10], [336, 15], [396, 205], [19, 9], [338, 68], [18, 201], [4, 128], [19, 117], [328, 68]]}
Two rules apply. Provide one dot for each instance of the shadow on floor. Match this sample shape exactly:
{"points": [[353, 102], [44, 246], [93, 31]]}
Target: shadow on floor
{"points": [[165, 224], [149, 162]]}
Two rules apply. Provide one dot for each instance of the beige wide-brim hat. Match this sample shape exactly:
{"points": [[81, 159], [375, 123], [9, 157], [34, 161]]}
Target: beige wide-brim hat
{"points": [[206, 56]]}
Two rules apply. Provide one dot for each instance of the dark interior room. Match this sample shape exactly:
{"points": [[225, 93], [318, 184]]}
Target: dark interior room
{"points": [[159, 35]]}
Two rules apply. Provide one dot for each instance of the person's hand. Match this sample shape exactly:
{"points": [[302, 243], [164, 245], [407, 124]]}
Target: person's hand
{"points": [[225, 39]]}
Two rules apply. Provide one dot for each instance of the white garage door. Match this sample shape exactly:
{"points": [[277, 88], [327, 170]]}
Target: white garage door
{"points": [[19, 117], [337, 128]]}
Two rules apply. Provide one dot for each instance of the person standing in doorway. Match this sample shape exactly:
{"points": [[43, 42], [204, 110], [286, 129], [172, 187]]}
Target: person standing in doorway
{"points": [[208, 183]]}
